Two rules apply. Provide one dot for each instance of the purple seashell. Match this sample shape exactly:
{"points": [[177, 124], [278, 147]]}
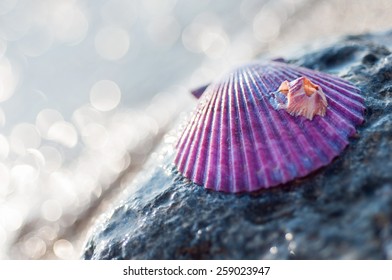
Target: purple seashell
{"points": [[239, 141]]}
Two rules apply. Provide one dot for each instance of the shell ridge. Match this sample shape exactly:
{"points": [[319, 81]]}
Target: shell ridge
{"points": [[319, 75], [252, 122], [294, 129], [266, 70], [184, 147], [348, 97], [203, 152], [324, 152], [185, 131], [242, 167], [259, 134], [344, 86], [233, 162], [303, 143], [248, 143], [332, 132], [337, 107], [329, 81], [262, 131], [284, 147], [278, 169], [185, 134], [337, 120], [194, 119], [222, 153], [322, 76], [307, 143], [353, 111], [322, 156], [213, 145], [337, 83], [224, 158], [270, 136], [224, 175], [341, 116], [325, 142], [193, 156], [332, 92]]}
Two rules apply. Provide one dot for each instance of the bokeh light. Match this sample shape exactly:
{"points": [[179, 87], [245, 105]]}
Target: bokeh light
{"points": [[45, 119], [121, 13], [266, 25], [112, 43], [105, 95], [4, 180], [2, 117], [4, 147], [164, 31], [8, 79], [51, 210], [53, 158], [69, 23], [63, 249], [23, 137], [64, 133]]}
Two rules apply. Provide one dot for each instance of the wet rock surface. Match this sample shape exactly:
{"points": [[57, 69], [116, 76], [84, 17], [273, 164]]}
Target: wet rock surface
{"points": [[341, 211]]}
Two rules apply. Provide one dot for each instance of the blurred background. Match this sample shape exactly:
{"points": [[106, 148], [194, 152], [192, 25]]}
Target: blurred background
{"points": [[88, 88]]}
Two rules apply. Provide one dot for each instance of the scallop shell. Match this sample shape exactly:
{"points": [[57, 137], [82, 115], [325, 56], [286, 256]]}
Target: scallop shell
{"points": [[242, 138]]}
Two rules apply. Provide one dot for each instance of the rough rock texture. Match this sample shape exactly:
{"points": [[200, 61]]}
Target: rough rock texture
{"points": [[342, 211]]}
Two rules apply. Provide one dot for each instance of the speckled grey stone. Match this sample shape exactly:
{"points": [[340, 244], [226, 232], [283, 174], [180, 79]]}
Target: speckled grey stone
{"points": [[341, 211]]}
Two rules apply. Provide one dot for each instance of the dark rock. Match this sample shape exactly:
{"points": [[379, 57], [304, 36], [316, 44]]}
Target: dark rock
{"points": [[341, 211]]}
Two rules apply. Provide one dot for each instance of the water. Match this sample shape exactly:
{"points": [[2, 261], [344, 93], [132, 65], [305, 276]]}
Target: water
{"points": [[87, 89]]}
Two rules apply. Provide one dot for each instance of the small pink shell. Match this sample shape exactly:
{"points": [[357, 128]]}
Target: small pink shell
{"points": [[303, 98], [240, 140]]}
